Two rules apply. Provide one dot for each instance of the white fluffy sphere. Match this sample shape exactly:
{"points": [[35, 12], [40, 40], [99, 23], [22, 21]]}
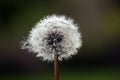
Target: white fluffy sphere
{"points": [[37, 43]]}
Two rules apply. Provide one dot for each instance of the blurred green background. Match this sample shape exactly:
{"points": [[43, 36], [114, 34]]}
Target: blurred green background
{"points": [[99, 57]]}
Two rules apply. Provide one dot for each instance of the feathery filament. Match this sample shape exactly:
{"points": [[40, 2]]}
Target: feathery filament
{"points": [[54, 33]]}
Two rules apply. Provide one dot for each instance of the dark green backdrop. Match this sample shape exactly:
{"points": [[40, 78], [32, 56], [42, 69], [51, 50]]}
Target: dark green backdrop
{"points": [[99, 57]]}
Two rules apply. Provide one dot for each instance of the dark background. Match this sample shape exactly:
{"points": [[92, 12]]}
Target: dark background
{"points": [[99, 57]]}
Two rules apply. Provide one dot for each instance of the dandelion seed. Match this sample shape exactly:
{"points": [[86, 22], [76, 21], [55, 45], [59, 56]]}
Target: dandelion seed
{"points": [[54, 32]]}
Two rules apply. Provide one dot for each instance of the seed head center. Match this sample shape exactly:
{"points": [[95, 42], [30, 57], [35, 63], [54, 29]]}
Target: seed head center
{"points": [[54, 39]]}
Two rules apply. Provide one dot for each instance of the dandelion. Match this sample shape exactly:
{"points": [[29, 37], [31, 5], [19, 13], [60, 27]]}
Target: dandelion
{"points": [[53, 39]]}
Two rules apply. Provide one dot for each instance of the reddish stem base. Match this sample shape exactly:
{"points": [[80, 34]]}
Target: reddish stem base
{"points": [[56, 68]]}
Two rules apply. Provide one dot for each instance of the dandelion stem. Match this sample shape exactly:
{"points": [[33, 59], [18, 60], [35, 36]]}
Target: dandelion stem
{"points": [[56, 66]]}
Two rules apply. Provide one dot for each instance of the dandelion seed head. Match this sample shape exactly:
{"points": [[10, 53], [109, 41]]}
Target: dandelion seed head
{"points": [[54, 32]]}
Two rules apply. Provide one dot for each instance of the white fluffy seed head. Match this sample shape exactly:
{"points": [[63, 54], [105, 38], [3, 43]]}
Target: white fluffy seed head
{"points": [[37, 43]]}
